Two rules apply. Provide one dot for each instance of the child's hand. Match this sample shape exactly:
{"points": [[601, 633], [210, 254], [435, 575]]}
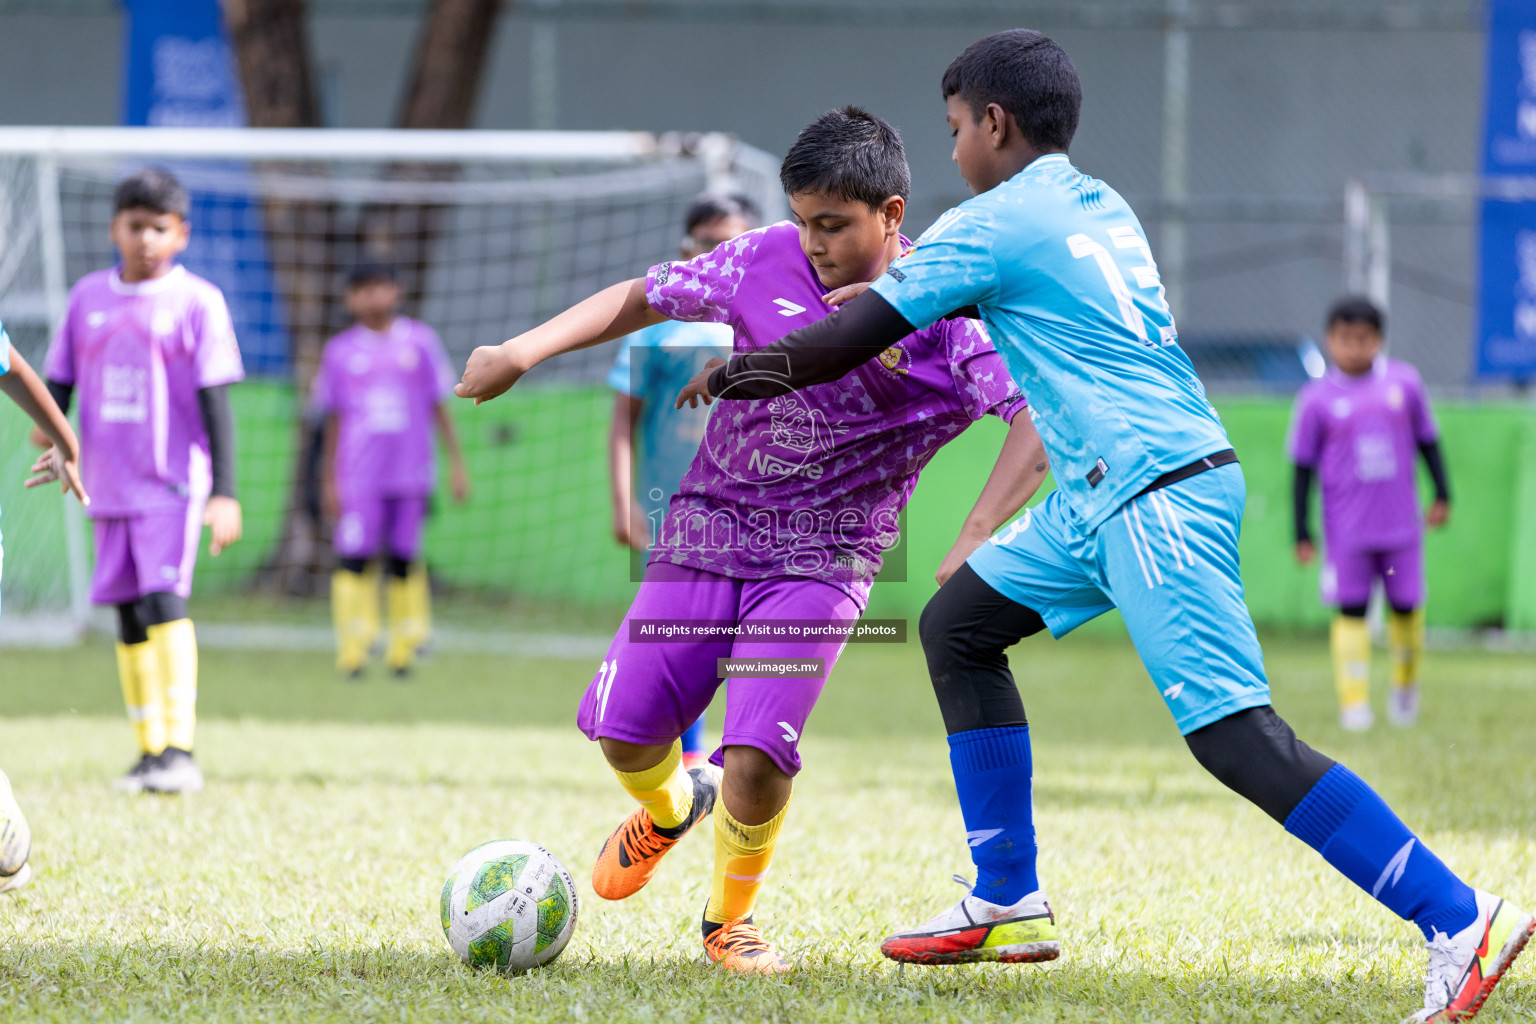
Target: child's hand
{"points": [[698, 387], [222, 517], [459, 481], [54, 465], [1439, 513], [838, 296], [491, 371], [969, 541], [1305, 552]]}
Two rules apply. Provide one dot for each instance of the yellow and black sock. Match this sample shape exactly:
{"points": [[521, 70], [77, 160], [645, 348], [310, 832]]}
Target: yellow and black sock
{"points": [[1352, 660], [743, 854], [1405, 633], [408, 617], [355, 613], [138, 668], [175, 646], [665, 789]]}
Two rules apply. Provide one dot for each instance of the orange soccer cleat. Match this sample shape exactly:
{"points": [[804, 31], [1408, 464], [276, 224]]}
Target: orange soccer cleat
{"points": [[633, 852], [738, 946]]}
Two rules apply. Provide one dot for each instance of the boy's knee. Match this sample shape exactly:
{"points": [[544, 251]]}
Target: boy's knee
{"points": [[1255, 754]]}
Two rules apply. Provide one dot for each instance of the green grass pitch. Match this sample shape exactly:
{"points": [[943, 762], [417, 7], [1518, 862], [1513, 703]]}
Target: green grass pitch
{"points": [[303, 884]]}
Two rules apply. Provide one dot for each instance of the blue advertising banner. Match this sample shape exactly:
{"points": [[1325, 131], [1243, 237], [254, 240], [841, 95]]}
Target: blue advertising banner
{"points": [[1505, 345], [181, 73]]}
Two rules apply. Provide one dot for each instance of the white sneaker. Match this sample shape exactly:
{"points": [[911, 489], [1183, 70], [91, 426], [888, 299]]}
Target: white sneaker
{"points": [[977, 930], [15, 838], [1403, 706], [132, 781], [1464, 968], [174, 772], [1356, 718]]}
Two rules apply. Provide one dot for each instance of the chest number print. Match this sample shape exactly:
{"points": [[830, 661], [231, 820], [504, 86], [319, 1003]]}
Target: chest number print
{"points": [[1125, 239]]}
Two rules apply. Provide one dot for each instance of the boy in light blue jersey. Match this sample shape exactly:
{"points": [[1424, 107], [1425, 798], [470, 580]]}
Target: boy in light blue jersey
{"points": [[1145, 518], [650, 367], [21, 385]]}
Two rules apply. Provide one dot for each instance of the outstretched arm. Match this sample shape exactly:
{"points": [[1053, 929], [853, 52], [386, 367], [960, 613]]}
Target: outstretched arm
{"points": [[615, 311], [62, 460], [629, 526], [1016, 476]]}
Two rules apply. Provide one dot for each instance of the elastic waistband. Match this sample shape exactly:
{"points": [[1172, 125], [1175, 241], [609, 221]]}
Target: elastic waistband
{"points": [[1222, 458]]}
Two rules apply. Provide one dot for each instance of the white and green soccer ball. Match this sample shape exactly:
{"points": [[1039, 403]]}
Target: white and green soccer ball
{"points": [[508, 905]]}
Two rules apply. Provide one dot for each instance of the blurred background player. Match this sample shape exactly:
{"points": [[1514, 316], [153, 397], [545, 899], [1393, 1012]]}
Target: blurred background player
{"points": [[24, 388], [652, 366], [382, 386], [1357, 428], [151, 349]]}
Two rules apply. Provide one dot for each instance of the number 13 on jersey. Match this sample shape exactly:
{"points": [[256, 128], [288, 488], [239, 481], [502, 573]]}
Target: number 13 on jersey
{"points": [[1127, 241]]}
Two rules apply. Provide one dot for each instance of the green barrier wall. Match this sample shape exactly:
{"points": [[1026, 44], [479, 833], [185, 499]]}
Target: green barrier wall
{"points": [[538, 521]]}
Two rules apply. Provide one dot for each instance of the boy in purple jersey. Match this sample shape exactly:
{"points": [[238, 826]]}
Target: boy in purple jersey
{"points": [[151, 349], [1358, 428], [382, 386], [62, 462], [784, 514]]}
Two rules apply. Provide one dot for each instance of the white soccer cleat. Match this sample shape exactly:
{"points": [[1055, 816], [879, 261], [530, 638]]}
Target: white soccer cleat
{"points": [[1356, 718], [975, 930], [174, 772], [1403, 706], [132, 781], [15, 840], [1464, 968]]}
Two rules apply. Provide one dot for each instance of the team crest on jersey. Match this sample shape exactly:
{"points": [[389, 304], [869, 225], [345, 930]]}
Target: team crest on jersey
{"points": [[891, 359]]}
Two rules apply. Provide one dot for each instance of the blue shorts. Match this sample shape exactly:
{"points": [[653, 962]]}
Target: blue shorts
{"points": [[1168, 561]]}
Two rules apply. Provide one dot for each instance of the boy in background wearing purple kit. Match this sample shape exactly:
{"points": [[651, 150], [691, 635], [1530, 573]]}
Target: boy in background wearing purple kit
{"points": [[151, 349], [785, 513], [1357, 428], [382, 386]]}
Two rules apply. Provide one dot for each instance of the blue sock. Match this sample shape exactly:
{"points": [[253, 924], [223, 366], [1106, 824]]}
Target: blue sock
{"points": [[1344, 820], [693, 738], [993, 776]]}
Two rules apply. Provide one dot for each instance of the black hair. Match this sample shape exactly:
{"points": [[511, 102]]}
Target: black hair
{"points": [[1029, 76], [709, 208], [849, 153], [153, 188], [369, 273], [1357, 309]]}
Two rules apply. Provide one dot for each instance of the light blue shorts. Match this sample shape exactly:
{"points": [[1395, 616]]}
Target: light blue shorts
{"points": [[1168, 561]]}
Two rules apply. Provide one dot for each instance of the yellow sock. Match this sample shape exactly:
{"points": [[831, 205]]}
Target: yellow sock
{"points": [[421, 602], [742, 856], [352, 607], [1405, 633], [1352, 660], [138, 667], [368, 606], [175, 645], [407, 600], [665, 790]]}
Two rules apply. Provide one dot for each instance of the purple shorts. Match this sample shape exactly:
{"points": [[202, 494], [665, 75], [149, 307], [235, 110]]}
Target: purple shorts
{"points": [[368, 520], [1347, 575], [649, 693], [147, 554]]}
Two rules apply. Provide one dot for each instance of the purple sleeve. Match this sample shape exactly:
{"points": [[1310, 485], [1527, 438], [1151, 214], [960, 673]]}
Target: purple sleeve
{"points": [[1304, 445], [703, 288], [1420, 414], [322, 393], [979, 374], [59, 365], [215, 353], [443, 377]]}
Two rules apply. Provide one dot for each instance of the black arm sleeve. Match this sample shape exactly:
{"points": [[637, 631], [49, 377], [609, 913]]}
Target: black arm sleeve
{"points": [[62, 394], [1301, 496], [1436, 464], [824, 351], [220, 424]]}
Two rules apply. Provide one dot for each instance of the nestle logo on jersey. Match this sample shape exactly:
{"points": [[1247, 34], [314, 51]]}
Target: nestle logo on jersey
{"points": [[769, 465]]}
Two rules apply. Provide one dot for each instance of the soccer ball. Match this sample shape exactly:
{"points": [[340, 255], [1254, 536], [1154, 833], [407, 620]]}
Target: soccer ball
{"points": [[510, 905]]}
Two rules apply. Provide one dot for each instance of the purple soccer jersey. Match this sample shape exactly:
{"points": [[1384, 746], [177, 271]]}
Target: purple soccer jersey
{"points": [[384, 389], [812, 483], [1361, 434], [137, 355]]}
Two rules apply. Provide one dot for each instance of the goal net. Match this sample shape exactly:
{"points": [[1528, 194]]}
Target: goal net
{"points": [[489, 233]]}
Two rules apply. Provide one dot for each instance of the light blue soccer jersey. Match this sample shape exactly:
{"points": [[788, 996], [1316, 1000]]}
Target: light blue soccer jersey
{"points": [[653, 365], [1062, 274]]}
